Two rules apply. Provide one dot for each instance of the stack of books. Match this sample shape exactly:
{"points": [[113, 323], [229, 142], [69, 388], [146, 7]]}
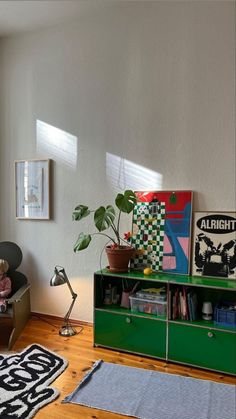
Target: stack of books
{"points": [[183, 304]]}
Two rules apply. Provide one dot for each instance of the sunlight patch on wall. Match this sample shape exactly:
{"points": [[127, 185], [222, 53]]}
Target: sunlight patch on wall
{"points": [[57, 143], [123, 174]]}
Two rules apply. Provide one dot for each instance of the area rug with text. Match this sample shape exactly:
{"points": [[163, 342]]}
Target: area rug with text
{"points": [[24, 380], [146, 394]]}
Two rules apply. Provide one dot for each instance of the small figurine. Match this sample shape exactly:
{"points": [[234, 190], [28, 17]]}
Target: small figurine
{"points": [[5, 285]]}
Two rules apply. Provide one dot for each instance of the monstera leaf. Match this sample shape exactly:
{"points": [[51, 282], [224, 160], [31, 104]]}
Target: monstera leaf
{"points": [[126, 202], [82, 242], [104, 217], [80, 212]]}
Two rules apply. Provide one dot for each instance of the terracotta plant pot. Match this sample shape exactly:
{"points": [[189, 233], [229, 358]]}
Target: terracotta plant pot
{"points": [[119, 258]]}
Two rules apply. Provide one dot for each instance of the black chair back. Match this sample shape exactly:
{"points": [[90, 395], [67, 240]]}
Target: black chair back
{"points": [[17, 281], [12, 253]]}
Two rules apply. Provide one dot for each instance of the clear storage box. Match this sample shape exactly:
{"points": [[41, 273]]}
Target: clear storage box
{"points": [[151, 295], [149, 306]]}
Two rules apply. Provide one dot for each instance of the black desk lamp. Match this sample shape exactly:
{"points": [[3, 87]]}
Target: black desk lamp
{"points": [[60, 278]]}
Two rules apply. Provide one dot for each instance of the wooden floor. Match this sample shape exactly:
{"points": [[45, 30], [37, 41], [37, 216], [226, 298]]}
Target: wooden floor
{"points": [[81, 355]]}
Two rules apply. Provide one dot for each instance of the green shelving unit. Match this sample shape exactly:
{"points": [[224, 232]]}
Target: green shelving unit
{"points": [[198, 343]]}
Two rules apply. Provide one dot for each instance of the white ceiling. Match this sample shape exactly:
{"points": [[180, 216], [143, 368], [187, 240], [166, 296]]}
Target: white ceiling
{"points": [[26, 15]]}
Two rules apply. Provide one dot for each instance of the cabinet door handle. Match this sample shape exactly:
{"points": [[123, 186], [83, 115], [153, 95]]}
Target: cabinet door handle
{"points": [[128, 320], [210, 334]]}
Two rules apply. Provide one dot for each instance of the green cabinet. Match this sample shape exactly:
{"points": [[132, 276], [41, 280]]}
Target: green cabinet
{"points": [[197, 343], [203, 347], [130, 333]]}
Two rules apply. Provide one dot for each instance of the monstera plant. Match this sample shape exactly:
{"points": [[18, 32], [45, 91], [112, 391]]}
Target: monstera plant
{"points": [[108, 218]]}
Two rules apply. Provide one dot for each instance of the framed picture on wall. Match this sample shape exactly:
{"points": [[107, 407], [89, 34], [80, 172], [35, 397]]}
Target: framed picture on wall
{"points": [[32, 194], [214, 244], [161, 231]]}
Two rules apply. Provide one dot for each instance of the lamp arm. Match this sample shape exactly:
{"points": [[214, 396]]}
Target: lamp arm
{"points": [[70, 288], [66, 318], [73, 294], [68, 283]]}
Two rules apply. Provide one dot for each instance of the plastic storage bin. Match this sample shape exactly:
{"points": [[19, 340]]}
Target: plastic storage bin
{"points": [[149, 306], [151, 295], [224, 315]]}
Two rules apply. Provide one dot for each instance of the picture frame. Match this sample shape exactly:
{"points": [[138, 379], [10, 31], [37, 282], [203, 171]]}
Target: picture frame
{"points": [[214, 244], [161, 231], [32, 189]]}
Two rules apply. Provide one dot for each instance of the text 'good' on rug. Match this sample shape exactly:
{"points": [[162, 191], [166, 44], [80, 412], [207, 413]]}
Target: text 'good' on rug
{"points": [[24, 378], [146, 394]]}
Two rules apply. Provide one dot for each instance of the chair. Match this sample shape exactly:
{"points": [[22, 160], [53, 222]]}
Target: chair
{"points": [[18, 303]]}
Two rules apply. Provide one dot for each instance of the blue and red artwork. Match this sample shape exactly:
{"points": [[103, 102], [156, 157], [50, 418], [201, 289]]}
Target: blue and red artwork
{"points": [[174, 255]]}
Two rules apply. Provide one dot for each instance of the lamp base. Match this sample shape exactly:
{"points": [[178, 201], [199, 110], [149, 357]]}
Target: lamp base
{"points": [[207, 317], [67, 330]]}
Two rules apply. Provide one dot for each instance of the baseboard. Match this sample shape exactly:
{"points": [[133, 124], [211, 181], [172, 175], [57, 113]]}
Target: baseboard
{"points": [[51, 317]]}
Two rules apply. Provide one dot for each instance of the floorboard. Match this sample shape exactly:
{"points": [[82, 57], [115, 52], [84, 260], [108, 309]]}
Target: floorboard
{"points": [[81, 355]]}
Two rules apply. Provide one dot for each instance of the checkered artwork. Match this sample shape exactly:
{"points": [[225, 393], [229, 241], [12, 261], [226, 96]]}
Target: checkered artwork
{"points": [[177, 206], [148, 234]]}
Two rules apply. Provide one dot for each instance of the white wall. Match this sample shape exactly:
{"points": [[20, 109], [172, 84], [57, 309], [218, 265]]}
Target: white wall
{"points": [[149, 83]]}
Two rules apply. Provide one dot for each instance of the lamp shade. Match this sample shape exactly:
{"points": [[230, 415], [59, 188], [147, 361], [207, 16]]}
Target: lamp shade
{"points": [[207, 307], [207, 310], [59, 277]]}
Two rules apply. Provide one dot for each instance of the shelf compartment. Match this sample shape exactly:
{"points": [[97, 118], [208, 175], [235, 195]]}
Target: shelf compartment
{"points": [[130, 333], [186, 302], [206, 348]]}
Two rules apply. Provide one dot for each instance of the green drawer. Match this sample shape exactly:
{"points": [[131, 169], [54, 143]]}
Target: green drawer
{"points": [[130, 333], [202, 347]]}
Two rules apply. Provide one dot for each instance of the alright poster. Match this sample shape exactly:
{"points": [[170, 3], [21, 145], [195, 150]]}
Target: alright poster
{"points": [[214, 244]]}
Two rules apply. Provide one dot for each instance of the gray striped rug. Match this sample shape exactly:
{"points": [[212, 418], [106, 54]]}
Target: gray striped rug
{"points": [[146, 394]]}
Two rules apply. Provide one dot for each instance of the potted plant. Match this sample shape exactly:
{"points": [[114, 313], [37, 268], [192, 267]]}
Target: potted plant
{"points": [[119, 251]]}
